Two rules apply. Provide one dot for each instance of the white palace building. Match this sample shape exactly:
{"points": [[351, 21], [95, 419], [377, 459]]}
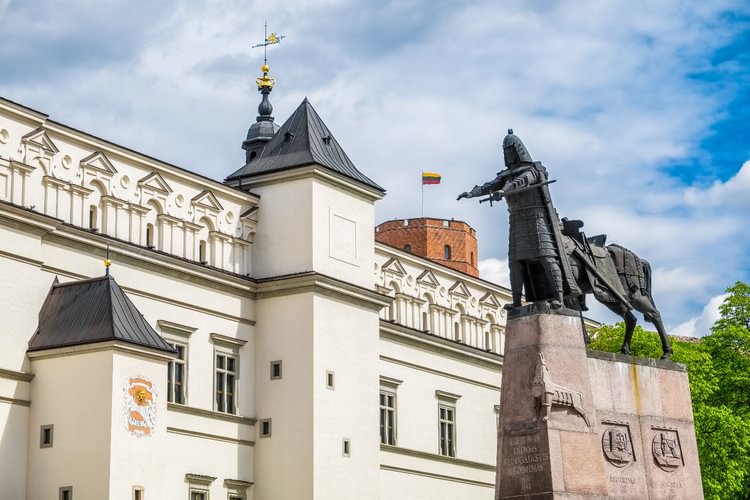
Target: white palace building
{"points": [[251, 340]]}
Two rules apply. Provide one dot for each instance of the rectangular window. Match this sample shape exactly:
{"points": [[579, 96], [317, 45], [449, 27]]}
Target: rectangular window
{"points": [[346, 449], [265, 427], [46, 435], [198, 494], [447, 426], [275, 370], [226, 382], [330, 380], [176, 375], [137, 493], [388, 417], [66, 493]]}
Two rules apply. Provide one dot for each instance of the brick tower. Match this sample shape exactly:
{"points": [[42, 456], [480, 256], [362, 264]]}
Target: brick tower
{"points": [[451, 243]]}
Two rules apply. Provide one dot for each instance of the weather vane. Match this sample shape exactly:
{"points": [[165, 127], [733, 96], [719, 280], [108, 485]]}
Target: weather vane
{"points": [[265, 82], [271, 39]]}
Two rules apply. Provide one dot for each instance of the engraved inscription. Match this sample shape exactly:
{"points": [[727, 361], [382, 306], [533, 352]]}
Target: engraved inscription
{"points": [[617, 445], [666, 450], [525, 456]]}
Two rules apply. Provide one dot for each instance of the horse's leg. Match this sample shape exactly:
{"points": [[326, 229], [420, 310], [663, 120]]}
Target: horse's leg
{"points": [[630, 321], [645, 304]]}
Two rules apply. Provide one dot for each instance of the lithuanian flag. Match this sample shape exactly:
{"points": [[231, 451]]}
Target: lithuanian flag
{"points": [[430, 178]]}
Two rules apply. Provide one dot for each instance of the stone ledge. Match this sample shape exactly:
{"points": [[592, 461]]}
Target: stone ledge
{"points": [[636, 360]]}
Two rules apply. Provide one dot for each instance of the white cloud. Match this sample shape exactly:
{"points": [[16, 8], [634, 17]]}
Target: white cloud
{"points": [[699, 326], [735, 192], [495, 270]]}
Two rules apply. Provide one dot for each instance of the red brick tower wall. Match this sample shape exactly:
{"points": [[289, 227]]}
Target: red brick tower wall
{"points": [[428, 238]]}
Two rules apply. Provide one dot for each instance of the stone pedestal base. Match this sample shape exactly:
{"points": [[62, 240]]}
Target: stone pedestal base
{"points": [[590, 425]]}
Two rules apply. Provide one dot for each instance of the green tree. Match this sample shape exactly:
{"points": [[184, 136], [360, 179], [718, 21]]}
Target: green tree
{"points": [[719, 373]]}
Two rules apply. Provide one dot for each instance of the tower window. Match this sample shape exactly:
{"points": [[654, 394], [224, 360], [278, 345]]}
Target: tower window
{"points": [[150, 235], [407, 248], [202, 257], [92, 217], [447, 252]]}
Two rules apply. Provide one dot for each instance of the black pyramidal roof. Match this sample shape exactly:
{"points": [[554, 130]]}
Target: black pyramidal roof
{"points": [[90, 311], [303, 140]]}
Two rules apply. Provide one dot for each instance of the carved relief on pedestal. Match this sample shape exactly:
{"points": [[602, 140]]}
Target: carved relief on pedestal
{"points": [[547, 393], [666, 449], [617, 445]]}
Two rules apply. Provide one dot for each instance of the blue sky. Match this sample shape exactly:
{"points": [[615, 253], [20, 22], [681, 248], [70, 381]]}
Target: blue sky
{"points": [[638, 109]]}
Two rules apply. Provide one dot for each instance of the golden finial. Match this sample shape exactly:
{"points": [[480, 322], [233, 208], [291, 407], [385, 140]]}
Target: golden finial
{"points": [[107, 262], [265, 81]]}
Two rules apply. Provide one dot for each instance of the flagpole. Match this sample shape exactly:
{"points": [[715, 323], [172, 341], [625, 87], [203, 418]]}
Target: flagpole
{"points": [[421, 179]]}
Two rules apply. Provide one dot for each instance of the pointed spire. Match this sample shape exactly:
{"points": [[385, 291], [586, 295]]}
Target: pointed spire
{"points": [[304, 140]]}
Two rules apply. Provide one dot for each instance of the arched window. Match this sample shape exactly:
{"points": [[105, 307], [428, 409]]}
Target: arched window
{"points": [[407, 248], [447, 252]]}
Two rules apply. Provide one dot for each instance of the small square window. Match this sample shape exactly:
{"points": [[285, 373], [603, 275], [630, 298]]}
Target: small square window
{"points": [[330, 379], [46, 435], [66, 493], [138, 493], [265, 428], [275, 370], [347, 447]]}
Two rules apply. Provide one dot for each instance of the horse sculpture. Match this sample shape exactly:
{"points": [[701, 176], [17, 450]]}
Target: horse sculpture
{"points": [[553, 261]]}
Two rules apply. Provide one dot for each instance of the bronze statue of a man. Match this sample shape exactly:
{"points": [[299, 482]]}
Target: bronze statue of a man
{"points": [[535, 250]]}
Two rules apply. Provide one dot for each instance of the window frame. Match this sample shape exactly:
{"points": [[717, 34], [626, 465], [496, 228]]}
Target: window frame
{"points": [[171, 366], [175, 333], [62, 493], [388, 387], [229, 348], [447, 441], [200, 484], [51, 429]]}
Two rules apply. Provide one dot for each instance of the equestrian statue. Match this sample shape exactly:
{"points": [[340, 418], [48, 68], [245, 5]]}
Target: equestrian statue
{"points": [[552, 260]]}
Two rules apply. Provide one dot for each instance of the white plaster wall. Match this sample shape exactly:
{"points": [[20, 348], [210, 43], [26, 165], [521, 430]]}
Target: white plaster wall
{"points": [[343, 232], [14, 438], [138, 461], [479, 388], [284, 239], [22, 291], [402, 486], [346, 342], [284, 461], [74, 393]]}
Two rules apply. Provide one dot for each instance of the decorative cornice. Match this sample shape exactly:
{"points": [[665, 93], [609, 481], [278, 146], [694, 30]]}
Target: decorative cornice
{"points": [[213, 437], [316, 172], [438, 458], [14, 401], [109, 345], [321, 284], [201, 412], [217, 338], [14, 375]]}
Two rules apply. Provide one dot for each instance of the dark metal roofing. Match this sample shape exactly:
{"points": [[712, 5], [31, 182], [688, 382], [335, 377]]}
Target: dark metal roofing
{"points": [[303, 140], [90, 311]]}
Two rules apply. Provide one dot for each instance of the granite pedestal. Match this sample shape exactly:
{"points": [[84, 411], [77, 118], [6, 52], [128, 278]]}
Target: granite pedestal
{"points": [[582, 424]]}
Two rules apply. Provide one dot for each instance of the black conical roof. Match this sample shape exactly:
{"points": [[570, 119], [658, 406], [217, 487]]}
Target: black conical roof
{"points": [[90, 311], [303, 140]]}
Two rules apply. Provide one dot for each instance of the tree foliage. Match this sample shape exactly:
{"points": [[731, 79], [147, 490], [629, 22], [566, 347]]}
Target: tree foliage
{"points": [[719, 372]]}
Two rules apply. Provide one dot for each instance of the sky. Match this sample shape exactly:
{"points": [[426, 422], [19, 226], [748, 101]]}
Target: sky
{"points": [[640, 110]]}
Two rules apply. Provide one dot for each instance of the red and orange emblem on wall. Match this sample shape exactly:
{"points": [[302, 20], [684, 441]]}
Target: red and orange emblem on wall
{"points": [[140, 406]]}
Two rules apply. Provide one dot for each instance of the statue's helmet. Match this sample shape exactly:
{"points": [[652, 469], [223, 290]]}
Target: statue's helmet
{"points": [[514, 151]]}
